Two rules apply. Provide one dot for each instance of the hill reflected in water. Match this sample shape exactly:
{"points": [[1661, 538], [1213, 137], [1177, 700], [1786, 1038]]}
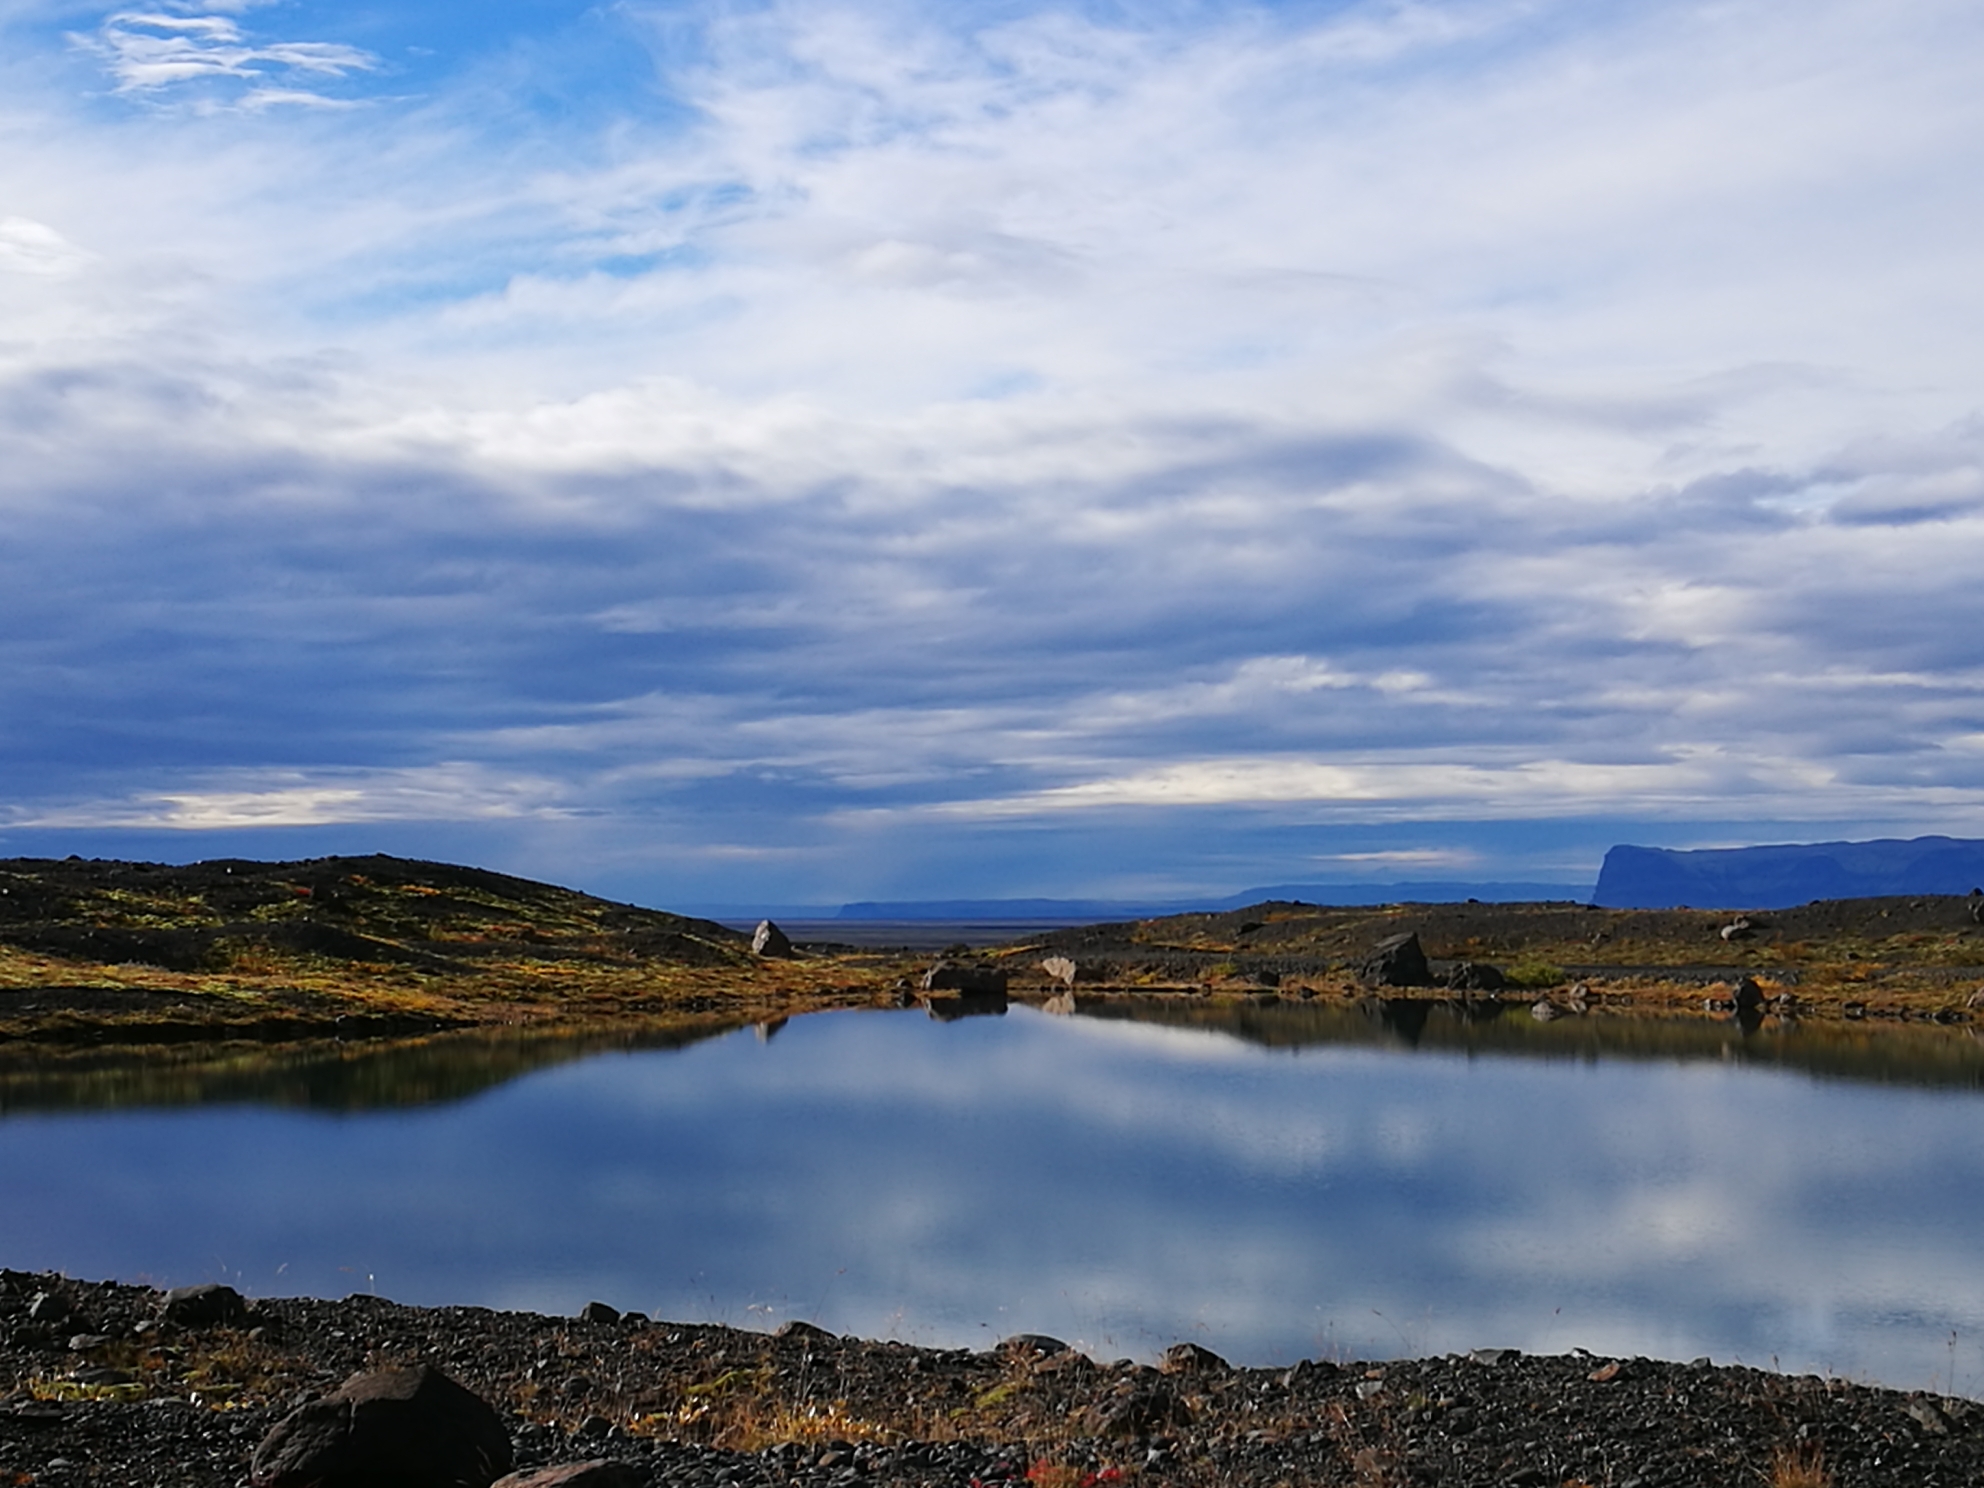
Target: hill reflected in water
{"points": [[375, 1075], [1885, 1054], [320, 1075]]}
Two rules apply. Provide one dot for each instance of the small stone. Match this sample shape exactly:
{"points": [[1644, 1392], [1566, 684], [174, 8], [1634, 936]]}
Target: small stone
{"points": [[82, 1343], [799, 1328], [1493, 1356], [50, 1307], [599, 1473], [1607, 1373], [1141, 1412], [1038, 1345], [1927, 1417], [1189, 1358]]}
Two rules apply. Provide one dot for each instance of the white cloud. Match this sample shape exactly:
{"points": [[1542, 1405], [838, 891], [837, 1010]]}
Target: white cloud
{"points": [[29, 247], [313, 798], [1527, 787], [922, 420], [148, 51]]}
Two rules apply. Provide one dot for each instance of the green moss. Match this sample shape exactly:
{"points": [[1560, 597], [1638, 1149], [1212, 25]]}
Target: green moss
{"points": [[1535, 975]]}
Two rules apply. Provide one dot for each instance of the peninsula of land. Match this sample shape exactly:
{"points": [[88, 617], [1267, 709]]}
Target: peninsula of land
{"points": [[96, 953]]}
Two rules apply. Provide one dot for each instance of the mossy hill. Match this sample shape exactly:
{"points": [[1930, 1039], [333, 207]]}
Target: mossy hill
{"points": [[377, 909], [1923, 951], [94, 950]]}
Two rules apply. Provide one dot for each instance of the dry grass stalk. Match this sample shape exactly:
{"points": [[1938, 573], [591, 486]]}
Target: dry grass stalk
{"points": [[1802, 1465]]}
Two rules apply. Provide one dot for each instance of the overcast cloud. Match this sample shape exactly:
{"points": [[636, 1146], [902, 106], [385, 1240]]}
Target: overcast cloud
{"points": [[730, 452]]}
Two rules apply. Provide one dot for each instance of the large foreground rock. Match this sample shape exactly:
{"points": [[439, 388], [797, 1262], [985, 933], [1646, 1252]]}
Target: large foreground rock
{"points": [[394, 1428]]}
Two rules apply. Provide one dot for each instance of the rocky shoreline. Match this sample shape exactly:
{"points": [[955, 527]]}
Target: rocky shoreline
{"points": [[106, 1383]]}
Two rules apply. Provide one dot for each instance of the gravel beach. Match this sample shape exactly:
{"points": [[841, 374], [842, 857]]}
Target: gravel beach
{"points": [[96, 1386]]}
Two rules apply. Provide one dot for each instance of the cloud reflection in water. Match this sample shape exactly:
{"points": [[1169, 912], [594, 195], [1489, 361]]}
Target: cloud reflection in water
{"points": [[1120, 1184]]}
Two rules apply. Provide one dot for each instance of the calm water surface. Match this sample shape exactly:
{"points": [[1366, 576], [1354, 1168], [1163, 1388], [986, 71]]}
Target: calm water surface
{"points": [[1123, 1184]]}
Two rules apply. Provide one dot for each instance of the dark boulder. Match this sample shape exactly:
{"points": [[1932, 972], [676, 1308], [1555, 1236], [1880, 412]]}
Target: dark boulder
{"points": [[1397, 962], [209, 1305], [599, 1312], [1476, 976], [1748, 998], [392, 1428], [770, 941], [964, 979]]}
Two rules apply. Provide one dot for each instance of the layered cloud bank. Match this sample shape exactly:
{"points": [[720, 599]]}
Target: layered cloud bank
{"points": [[834, 452]]}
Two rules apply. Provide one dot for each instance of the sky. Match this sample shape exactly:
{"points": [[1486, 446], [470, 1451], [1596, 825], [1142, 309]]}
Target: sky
{"points": [[749, 453]]}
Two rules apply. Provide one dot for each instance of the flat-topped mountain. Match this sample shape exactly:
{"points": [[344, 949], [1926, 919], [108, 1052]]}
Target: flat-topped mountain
{"points": [[1780, 876]]}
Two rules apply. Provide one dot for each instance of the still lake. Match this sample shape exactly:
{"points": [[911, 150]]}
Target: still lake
{"points": [[1275, 1183]]}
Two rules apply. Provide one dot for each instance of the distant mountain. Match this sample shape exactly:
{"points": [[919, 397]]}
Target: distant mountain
{"points": [[1101, 910], [1782, 876], [1417, 891], [1007, 909]]}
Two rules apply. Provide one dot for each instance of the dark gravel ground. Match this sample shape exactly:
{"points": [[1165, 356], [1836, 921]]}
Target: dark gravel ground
{"points": [[94, 1390]]}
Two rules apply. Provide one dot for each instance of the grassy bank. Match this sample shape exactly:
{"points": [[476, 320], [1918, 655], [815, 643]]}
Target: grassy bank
{"points": [[96, 953]]}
